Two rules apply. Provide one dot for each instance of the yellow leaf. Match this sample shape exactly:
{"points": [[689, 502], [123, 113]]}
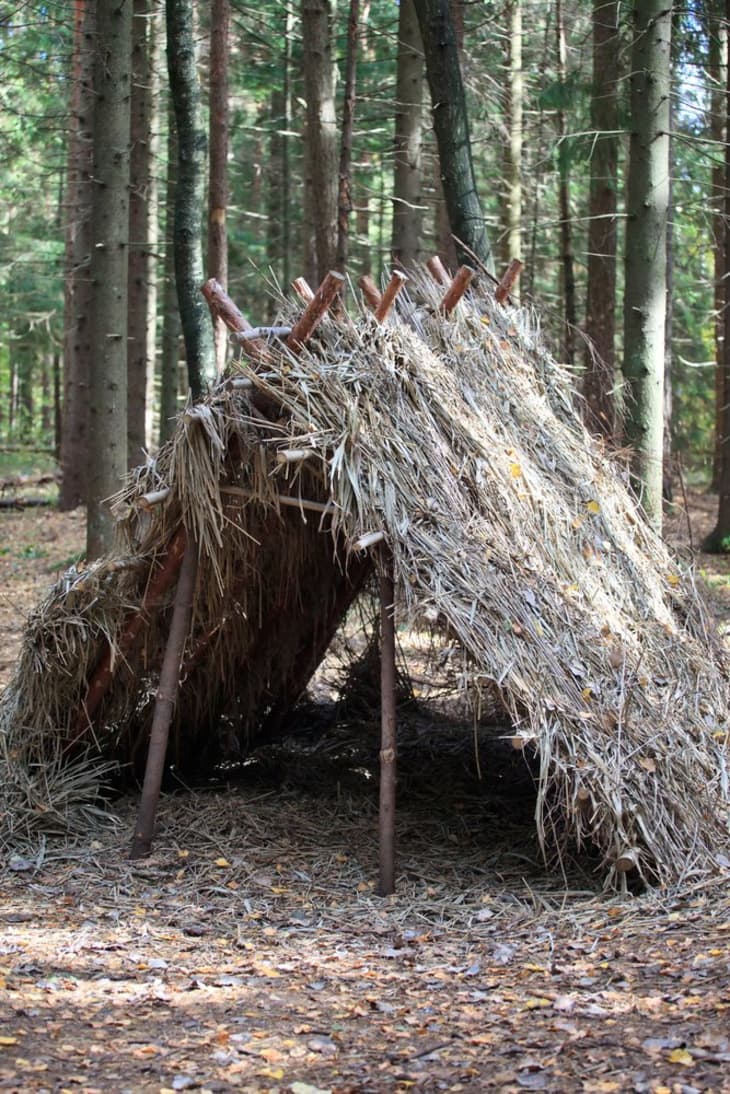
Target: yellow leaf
{"points": [[222, 862], [271, 1072], [279, 889], [484, 321], [681, 1056], [593, 507], [587, 693], [578, 523], [6, 1041], [533, 1004], [673, 580], [515, 470], [183, 854]]}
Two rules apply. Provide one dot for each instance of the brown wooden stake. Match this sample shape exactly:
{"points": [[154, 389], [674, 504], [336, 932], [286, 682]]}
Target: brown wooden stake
{"points": [[507, 280], [315, 310], [387, 724], [438, 271], [221, 305], [165, 702], [159, 582], [370, 291], [394, 286], [458, 287], [303, 289]]}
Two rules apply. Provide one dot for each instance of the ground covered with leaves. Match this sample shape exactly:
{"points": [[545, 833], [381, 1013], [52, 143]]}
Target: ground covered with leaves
{"points": [[251, 951]]}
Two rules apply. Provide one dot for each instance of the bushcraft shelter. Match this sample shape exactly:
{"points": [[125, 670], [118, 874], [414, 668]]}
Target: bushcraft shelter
{"points": [[436, 436]]}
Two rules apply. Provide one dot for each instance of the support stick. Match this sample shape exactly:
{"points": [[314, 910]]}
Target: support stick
{"points": [[315, 310], [165, 702], [221, 305], [461, 282], [303, 289], [159, 582], [438, 271], [394, 286], [370, 291], [507, 280], [387, 724]]}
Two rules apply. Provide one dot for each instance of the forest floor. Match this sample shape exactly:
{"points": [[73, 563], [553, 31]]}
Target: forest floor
{"points": [[250, 951]]}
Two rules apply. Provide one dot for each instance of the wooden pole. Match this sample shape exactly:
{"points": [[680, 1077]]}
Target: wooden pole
{"points": [[165, 702], [462, 279], [387, 724], [370, 291], [438, 271], [221, 305], [303, 289], [394, 286], [315, 310], [507, 280]]}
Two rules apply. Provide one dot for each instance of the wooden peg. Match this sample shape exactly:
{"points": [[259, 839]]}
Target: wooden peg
{"points": [[394, 286], [370, 291], [303, 289], [507, 280], [315, 310], [438, 271], [461, 282]]}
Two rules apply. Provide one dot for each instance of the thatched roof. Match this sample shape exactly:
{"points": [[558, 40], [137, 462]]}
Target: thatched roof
{"points": [[510, 531]]}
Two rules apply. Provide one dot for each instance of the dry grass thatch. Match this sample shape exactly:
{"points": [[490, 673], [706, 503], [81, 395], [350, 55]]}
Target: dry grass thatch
{"points": [[510, 532]]}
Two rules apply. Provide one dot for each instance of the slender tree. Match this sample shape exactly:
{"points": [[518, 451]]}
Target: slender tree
{"points": [[451, 127], [600, 358], [513, 145], [718, 60], [218, 189], [140, 271], [191, 169], [567, 265], [647, 208], [344, 190], [170, 355], [77, 280], [408, 148], [109, 268], [321, 134]]}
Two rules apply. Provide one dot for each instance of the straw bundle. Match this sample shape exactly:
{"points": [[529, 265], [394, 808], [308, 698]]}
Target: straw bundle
{"points": [[511, 533]]}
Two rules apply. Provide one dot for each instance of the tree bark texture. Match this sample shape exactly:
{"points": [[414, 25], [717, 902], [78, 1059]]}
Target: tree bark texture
{"points": [[154, 52], [170, 356], [513, 146], [190, 199], [647, 209], [109, 268], [600, 357], [140, 272], [344, 188], [570, 311], [718, 34], [218, 188], [408, 145], [77, 282], [451, 127], [321, 131]]}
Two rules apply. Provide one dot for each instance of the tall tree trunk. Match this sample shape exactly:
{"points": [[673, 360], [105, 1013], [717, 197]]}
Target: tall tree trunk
{"points": [[321, 131], [141, 170], [154, 49], [513, 145], [647, 210], [220, 21], [600, 357], [344, 190], [719, 539], [109, 268], [192, 148], [170, 356], [77, 280], [278, 244], [570, 312], [718, 35], [408, 147], [451, 126]]}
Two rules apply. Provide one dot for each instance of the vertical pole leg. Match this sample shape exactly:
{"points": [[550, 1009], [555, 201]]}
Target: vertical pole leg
{"points": [[387, 724]]}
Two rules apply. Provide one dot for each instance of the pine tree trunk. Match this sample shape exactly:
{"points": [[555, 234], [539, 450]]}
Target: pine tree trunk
{"points": [[570, 311], [109, 269], [154, 49], [77, 280], [513, 146], [647, 210], [718, 35], [344, 189], [408, 149], [141, 170], [451, 126], [190, 199], [321, 131], [600, 358], [170, 356], [220, 20]]}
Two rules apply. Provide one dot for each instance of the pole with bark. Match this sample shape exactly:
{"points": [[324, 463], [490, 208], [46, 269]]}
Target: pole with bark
{"points": [[344, 193], [387, 724], [220, 20]]}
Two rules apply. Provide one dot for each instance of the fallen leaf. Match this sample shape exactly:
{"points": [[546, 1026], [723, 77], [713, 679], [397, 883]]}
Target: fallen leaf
{"points": [[681, 1056], [593, 507]]}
